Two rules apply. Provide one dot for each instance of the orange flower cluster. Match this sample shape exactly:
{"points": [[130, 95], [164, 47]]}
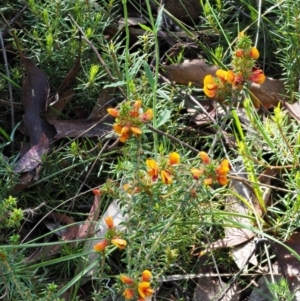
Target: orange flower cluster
{"points": [[244, 70], [165, 172], [129, 119], [138, 289], [210, 172], [111, 237]]}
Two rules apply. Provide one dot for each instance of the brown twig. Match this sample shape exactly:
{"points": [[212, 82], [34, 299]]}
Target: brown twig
{"points": [[173, 138]]}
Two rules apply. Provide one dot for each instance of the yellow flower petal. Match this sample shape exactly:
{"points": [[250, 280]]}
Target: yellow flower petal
{"points": [[137, 105], [117, 128], [174, 158], [254, 53], [221, 74], [146, 275], [144, 289], [124, 138], [136, 131], [208, 79], [230, 76], [208, 181], [119, 242], [127, 280], [197, 172], [147, 116], [113, 112], [128, 293], [204, 157], [100, 246], [109, 222], [152, 164], [166, 177]]}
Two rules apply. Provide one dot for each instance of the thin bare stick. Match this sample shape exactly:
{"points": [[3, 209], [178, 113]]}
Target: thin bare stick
{"points": [[172, 138]]}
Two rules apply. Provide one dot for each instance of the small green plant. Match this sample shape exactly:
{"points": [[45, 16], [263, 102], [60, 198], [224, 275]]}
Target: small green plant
{"points": [[280, 290], [11, 216]]}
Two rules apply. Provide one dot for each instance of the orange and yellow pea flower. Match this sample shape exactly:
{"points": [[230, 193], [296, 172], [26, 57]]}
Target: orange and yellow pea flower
{"points": [[119, 242], [174, 158], [109, 222], [197, 172], [126, 131], [166, 177], [208, 181], [144, 289], [210, 86], [147, 116], [153, 172], [113, 112], [257, 76], [126, 280], [204, 157], [254, 53], [222, 171], [128, 293], [100, 246], [146, 275]]}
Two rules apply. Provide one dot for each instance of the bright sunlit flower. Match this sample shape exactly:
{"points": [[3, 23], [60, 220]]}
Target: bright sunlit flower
{"points": [[208, 181], [144, 289], [119, 242], [174, 158], [128, 294], [127, 280], [146, 275], [109, 222], [204, 157], [135, 109], [222, 180], [147, 116], [136, 131], [221, 74], [153, 172], [254, 53], [223, 168], [197, 172], [210, 86], [166, 177], [222, 171], [257, 76], [100, 246], [113, 112], [137, 105], [230, 77]]}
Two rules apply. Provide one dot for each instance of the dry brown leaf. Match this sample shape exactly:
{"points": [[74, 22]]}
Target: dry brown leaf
{"points": [[81, 127], [74, 231], [35, 95], [211, 288], [288, 263], [293, 109], [33, 157], [56, 108]]}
